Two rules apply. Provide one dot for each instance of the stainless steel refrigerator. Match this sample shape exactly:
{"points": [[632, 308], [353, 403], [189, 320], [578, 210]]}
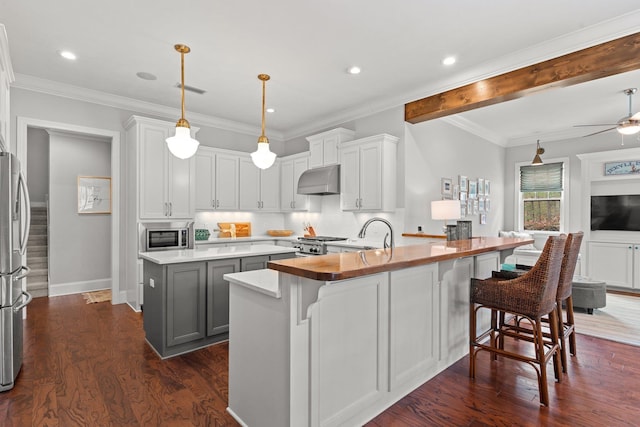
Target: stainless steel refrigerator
{"points": [[14, 232]]}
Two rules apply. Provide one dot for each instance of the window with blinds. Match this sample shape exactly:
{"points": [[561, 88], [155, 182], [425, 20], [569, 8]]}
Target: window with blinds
{"points": [[541, 189]]}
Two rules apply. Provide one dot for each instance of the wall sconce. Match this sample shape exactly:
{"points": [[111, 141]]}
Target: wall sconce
{"points": [[536, 159]]}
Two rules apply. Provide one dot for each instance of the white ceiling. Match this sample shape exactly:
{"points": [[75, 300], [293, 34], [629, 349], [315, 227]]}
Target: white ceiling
{"points": [[306, 47]]}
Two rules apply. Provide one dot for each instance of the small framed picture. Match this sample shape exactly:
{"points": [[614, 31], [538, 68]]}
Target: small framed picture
{"points": [[463, 197], [463, 182], [480, 187], [476, 209], [446, 186], [463, 210], [487, 205], [483, 218], [456, 192], [481, 206], [473, 189], [469, 206], [487, 187]]}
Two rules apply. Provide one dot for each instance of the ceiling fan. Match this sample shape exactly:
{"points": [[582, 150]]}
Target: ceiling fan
{"points": [[628, 125]]}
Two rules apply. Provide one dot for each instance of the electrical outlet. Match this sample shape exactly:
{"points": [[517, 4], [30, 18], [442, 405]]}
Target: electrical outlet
{"points": [[152, 283]]}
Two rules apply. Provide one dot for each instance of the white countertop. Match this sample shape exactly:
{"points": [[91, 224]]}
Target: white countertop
{"points": [[263, 281], [249, 239], [206, 254]]}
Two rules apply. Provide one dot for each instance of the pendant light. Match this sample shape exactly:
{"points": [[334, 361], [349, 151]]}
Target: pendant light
{"points": [[537, 160], [263, 157], [181, 144]]}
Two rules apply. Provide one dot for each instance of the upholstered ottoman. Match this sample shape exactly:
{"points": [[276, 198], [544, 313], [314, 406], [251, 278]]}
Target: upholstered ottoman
{"points": [[588, 294]]}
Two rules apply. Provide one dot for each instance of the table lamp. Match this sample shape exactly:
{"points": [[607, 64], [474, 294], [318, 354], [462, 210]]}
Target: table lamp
{"points": [[446, 210]]}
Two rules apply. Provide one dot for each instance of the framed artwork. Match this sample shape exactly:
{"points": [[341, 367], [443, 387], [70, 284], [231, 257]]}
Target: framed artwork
{"points": [[622, 168], [487, 205], [446, 186], [481, 207], [463, 197], [487, 187], [456, 192], [476, 208], [463, 182], [463, 210], [483, 218], [94, 195], [473, 189], [480, 187], [469, 206]]}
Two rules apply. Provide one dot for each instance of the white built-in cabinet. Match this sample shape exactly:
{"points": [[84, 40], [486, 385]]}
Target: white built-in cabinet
{"points": [[324, 147], [6, 77], [259, 188], [368, 174], [166, 184], [291, 167], [217, 179], [617, 264]]}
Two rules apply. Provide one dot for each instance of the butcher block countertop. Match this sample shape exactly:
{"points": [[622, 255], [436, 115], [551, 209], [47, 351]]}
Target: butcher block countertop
{"points": [[347, 265]]}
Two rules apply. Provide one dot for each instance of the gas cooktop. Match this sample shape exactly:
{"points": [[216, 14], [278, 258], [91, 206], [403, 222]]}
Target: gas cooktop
{"points": [[321, 239]]}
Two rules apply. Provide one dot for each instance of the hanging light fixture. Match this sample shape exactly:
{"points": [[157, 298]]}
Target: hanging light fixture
{"points": [[181, 144], [263, 157], [537, 160]]}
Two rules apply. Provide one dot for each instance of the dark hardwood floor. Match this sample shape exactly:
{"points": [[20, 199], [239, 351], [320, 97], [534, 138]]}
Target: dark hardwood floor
{"points": [[88, 365]]}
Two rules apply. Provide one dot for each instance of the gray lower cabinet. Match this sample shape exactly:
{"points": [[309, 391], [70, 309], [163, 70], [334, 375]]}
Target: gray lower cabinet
{"points": [[186, 305], [218, 294], [186, 290], [254, 263]]}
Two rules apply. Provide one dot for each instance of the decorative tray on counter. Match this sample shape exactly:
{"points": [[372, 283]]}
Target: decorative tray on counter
{"points": [[279, 233]]}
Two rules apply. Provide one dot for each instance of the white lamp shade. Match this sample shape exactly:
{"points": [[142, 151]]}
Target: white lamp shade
{"points": [[182, 145], [629, 128], [263, 157], [445, 209]]}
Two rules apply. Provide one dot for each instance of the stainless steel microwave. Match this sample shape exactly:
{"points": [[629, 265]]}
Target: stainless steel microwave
{"points": [[164, 239]]}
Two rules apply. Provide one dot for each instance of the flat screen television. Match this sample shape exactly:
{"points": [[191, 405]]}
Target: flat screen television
{"points": [[621, 212]]}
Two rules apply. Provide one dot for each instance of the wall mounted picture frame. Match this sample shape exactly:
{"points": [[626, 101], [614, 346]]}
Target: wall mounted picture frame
{"points": [[463, 210], [463, 197], [94, 195], [476, 209], [487, 187], [473, 189], [487, 205], [480, 187], [456, 192], [463, 182], [483, 219], [481, 207], [446, 186]]}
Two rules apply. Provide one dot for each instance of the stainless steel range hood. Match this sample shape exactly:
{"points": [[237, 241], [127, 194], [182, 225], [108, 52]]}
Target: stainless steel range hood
{"points": [[320, 181]]}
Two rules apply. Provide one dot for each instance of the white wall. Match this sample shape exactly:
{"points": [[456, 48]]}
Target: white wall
{"points": [[435, 150], [38, 165], [80, 244]]}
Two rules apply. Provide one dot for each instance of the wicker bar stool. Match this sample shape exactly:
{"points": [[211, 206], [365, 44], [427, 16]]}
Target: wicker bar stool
{"points": [[530, 296], [566, 327]]}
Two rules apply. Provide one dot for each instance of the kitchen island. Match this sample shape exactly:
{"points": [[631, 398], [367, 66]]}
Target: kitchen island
{"points": [[334, 340], [186, 298]]}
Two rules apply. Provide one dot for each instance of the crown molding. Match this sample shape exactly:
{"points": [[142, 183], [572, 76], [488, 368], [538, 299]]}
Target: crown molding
{"points": [[36, 84]]}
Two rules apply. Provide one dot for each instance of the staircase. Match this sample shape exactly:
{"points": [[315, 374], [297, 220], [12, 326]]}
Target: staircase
{"points": [[37, 254]]}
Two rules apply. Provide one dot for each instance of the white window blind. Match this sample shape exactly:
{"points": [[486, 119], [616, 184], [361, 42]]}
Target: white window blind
{"points": [[547, 177]]}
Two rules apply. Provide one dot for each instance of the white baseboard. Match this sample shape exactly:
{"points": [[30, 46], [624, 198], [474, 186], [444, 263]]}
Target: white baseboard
{"points": [[59, 289]]}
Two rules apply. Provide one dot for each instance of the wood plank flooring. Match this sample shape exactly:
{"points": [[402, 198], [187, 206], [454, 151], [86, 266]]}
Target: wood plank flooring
{"points": [[88, 365]]}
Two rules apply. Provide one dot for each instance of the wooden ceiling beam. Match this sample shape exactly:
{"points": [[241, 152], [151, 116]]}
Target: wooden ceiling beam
{"points": [[606, 59]]}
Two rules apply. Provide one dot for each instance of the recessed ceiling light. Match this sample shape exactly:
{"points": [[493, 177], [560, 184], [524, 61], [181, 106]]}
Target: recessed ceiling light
{"points": [[354, 70], [146, 76], [67, 54], [271, 110], [449, 60]]}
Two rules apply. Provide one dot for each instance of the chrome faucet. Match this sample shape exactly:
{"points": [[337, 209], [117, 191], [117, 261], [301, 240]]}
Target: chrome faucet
{"points": [[363, 231]]}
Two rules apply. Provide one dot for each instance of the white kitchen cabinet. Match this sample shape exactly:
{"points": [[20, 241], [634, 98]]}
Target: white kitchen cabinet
{"points": [[6, 77], [324, 147], [259, 188], [291, 167], [368, 174], [617, 264], [166, 184], [217, 179]]}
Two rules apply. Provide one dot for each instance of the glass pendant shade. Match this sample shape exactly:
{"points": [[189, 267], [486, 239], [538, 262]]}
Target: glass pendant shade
{"points": [[182, 145], [263, 157]]}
